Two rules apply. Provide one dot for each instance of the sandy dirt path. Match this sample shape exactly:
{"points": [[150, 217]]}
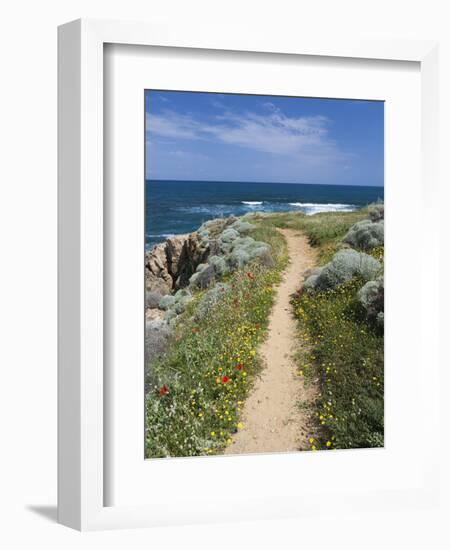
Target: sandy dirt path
{"points": [[273, 421]]}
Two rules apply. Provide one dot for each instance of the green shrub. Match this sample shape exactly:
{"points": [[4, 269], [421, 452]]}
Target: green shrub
{"points": [[371, 297], [166, 302], [219, 264], [210, 299], [203, 278], [376, 212], [238, 258], [365, 234], [345, 265], [242, 227], [157, 338], [229, 235]]}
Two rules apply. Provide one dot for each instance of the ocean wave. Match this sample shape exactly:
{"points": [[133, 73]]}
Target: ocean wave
{"points": [[159, 235], [314, 208], [216, 209], [252, 203]]}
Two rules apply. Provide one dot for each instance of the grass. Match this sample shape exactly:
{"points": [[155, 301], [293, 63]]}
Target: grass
{"points": [[346, 354], [194, 405], [324, 230]]}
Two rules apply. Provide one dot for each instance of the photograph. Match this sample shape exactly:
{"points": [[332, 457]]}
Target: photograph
{"points": [[264, 274]]}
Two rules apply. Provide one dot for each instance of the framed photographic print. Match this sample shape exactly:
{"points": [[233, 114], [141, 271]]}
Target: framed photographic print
{"points": [[234, 335]]}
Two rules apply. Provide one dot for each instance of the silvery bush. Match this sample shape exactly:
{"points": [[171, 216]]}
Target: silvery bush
{"points": [[371, 297], [157, 338], [365, 234], [242, 227], [376, 212], [209, 299], [345, 265]]}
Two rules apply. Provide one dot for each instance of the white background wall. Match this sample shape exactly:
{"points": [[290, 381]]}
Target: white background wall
{"points": [[28, 270]]}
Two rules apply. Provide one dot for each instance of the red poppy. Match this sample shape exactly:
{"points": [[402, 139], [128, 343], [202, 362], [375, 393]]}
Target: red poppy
{"points": [[224, 379], [195, 330], [163, 390], [239, 366], [250, 275], [235, 302]]}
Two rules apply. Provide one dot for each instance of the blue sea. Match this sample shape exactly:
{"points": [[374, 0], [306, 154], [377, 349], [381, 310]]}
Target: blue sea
{"points": [[178, 207]]}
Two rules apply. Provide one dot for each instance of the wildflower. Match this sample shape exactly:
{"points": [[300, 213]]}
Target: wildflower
{"points": [[311, 440], [224, 379], [213, 434], [239, 366], [328, 443], [240, 426], [195, 330], [163, 390], [250, 275]]}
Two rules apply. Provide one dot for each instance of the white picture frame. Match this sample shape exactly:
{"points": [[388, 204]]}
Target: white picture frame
{"points": [[82, 483]]}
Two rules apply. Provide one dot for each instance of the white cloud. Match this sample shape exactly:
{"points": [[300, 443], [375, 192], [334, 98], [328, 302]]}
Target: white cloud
{"points": [[305, 138], [187, 155]]}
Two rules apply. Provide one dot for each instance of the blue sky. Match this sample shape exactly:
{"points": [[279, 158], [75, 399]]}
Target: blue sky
{"points": [[233, 137]]}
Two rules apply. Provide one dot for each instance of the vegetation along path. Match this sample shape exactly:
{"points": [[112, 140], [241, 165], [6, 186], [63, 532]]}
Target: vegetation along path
{"points": [[273, 420]]}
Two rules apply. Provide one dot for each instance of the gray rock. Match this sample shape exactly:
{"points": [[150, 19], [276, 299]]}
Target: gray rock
{"points": [[152, 299]]}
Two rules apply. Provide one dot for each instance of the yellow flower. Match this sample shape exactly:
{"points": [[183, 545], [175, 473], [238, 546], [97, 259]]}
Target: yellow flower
{"points": [[228, 441], [240, 426], [213, 434], [328, 443], [310, 439]]}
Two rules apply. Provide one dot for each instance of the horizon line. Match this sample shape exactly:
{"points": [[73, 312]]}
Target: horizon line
{"points": [[268, 182]]}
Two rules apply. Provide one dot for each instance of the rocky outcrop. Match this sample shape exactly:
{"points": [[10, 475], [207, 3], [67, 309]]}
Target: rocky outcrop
{"points": [[168, 266], [192, 254], [157, 276], [199, 259]]}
